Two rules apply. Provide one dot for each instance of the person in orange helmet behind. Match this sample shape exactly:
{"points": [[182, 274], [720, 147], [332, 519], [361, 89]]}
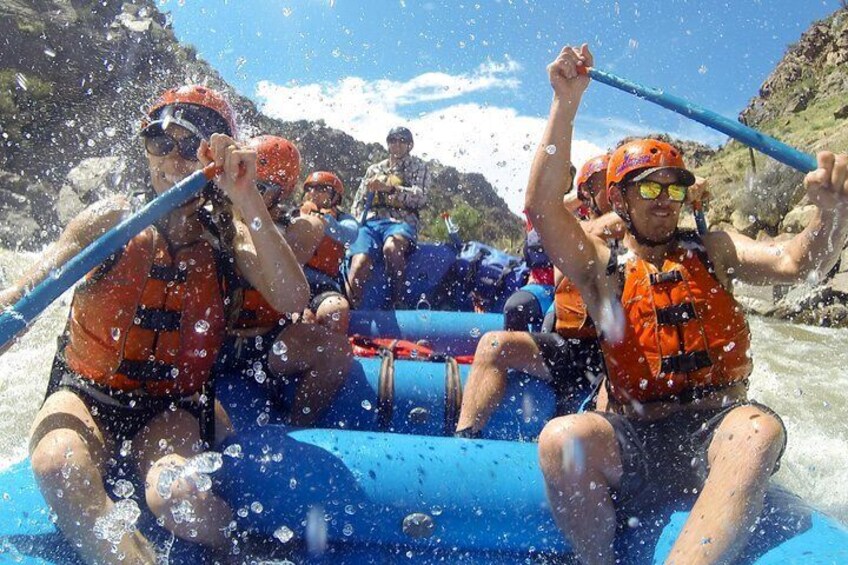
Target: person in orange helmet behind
{"points": [[144, 330], [322, 195], [675, 342], [305, 364]]}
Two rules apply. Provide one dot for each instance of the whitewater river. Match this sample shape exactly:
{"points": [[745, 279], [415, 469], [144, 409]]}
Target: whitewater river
{"points": [[800, 371]]}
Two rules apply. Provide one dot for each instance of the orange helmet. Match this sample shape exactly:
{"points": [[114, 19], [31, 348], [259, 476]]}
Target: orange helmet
{"points": [[590, 167], [324, 178], [647, 156], [278, 162], [205, 111]]}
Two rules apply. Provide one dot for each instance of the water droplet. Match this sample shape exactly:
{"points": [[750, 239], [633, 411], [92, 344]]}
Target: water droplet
{"points": [[284, 534], [347, 530], [292, 483], [260, 376], [279, 348], [263, 419], [316, 531], [350, 510], [633, 522], [201, 326], [256, 224], [123, 488], [366, 404], [287, 11], [256, 507], [243, 512], [116, 334], [475, 332], [729, 347], [550, 149], [702, 69]]}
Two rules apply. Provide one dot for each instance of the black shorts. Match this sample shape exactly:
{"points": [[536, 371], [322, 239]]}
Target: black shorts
{"points": [[121, 414], [672, 451], [576, 365], [248, 357], [320, 282]]}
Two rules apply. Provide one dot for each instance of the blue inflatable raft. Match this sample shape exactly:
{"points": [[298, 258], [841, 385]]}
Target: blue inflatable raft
{"points": [[379, 483]]}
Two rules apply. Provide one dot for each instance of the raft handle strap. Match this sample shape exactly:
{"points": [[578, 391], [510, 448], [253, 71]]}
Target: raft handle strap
{"points": [[453, 395], [386, 390]]}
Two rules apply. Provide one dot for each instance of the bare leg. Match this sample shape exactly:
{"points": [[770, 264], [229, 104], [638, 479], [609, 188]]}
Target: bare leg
{"points": [[394, 252], [360, 272], [742, 456], [322, 360], [68, 451], [187, 511], [334, 314], [580, 460], [497, 352]]}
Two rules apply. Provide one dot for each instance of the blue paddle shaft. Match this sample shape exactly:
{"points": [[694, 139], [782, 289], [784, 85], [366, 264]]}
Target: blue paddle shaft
{"points": [[761, 142], [35, 301]]}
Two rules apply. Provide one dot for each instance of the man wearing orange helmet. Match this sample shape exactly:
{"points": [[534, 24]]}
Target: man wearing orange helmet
{"points": [[305, 364], [322, 196], [143, 332], [674, 340], [397, 191]]}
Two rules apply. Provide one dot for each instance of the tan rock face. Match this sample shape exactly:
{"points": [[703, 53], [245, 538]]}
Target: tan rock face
{"points": [[798, 218]]}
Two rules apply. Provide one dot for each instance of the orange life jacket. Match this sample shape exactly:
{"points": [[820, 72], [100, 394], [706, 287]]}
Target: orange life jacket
{"points": [[153, 321], [682, 330], [328, 255], [255, 311], [572, 317]]}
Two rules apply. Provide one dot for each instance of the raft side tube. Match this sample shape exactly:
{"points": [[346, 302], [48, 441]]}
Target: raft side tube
{"points": [[401, 396], [451, 333]]}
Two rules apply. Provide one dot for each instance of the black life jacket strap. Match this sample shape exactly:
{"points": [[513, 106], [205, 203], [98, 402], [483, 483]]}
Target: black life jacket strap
{"points": [[676, 315], [686, 362], [146, 370]]}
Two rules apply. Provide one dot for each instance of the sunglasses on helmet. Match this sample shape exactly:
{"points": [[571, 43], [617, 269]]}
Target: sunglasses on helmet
{"points": [[162, 144], [651, 190]]}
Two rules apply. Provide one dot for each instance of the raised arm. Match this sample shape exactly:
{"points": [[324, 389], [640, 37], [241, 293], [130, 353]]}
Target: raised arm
{"points": [[579, 256], [262, 254], [814, 250]]}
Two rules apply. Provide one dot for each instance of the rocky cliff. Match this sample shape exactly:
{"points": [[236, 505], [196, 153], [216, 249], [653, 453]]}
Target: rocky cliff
{"points": [[75, 78], [802, 102]]}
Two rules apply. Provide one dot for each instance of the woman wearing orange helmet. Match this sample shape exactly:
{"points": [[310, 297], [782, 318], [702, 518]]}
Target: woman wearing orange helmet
{"points": [[143, 332], [322, 197], [305, 364], [674, 340]]}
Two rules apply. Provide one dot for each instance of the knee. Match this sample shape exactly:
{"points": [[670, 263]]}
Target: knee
{"points": [[394, 247], [167, 487], [565, 449], [491, 349], [360, 262], [762, 432], [56, 453]]}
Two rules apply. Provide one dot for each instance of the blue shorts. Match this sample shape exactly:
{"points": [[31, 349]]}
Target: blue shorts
{"points": [[374, 233]]}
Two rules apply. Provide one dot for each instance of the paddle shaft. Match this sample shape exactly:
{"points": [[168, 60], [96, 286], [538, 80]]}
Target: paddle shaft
{"points": [[15, 319], [749, 136], [369, 199]]}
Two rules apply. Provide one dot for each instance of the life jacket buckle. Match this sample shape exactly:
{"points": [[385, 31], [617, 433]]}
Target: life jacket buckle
{"points": [[673, 276]]}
